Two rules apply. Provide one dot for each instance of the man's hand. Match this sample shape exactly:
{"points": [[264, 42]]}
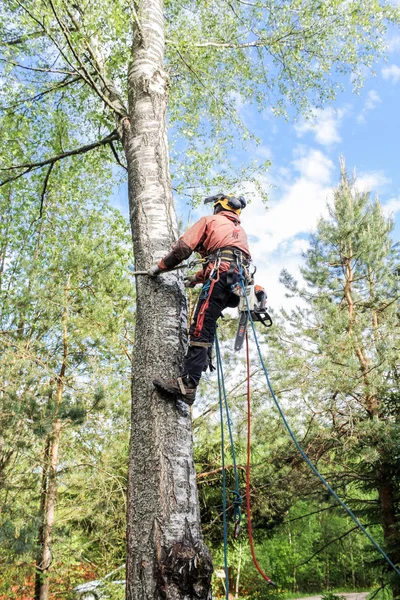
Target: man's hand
{"points": [[190, 281], [154, 271]]}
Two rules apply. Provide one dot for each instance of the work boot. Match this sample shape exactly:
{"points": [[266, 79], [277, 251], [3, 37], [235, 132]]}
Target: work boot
{"points": [[182, 388]]}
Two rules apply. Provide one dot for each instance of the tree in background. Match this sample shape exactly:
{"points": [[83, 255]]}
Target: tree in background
{"points": [[65, 313], [339, 356], [104, 64]]}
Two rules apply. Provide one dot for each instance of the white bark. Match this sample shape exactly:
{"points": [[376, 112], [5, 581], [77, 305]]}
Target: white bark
{"points": [[166, 555]]}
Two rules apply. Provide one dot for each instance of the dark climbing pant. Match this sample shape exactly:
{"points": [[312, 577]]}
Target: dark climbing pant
{"points": [[198, 358]]}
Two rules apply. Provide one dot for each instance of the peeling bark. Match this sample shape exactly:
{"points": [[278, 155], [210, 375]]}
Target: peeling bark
{"points": [[166, 555]]}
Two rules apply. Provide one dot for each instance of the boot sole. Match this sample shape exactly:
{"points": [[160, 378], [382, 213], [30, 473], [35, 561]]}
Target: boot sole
{"points": [[171, 392]]}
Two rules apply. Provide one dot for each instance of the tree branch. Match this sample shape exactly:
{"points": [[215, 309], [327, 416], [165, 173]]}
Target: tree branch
{"points": [[50, 161], [59, 86], [45, 183], [325, 546], [218, 470], [37, 69], [24, 37], [117, 157], [117, 108]]}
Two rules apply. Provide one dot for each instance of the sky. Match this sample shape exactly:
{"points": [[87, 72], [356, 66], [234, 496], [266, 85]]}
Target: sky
{"points": [[363, 128]]}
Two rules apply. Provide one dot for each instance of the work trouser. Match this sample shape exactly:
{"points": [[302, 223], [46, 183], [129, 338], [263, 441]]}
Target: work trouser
{"points": [[198, 357]]}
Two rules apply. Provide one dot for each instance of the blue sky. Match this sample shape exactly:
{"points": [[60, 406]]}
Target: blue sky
{"points": [[364, 128]]}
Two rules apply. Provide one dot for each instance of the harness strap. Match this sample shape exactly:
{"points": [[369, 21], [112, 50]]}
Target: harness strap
{"points": [[181, 386], [202, 311], [200, 344], [228, 254]]}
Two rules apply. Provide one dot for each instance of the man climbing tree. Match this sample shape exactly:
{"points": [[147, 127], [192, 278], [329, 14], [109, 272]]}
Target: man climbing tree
{"points": [[102, 68], [222, 243]]}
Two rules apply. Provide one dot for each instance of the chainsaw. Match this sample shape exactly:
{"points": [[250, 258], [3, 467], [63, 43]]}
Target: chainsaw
{"points": [[255, 301]]}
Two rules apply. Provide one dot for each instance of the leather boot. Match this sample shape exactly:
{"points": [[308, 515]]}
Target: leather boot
{"points": [[182, 388]]}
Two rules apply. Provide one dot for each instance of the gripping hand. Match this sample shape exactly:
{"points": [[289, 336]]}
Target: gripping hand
{"points": [[154, 271]]}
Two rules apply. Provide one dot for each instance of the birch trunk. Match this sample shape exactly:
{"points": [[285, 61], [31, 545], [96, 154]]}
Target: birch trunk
{"points": [[166, 556]]}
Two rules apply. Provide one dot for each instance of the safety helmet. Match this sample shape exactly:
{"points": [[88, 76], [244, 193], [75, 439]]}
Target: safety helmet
{"points": [[227, 202]]}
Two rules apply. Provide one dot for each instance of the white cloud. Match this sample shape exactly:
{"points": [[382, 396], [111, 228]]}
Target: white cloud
{"points": [[394, 44], [372, 101], [325, 124], [391, 207], [391, 73], [263, 152], [279, 235], [371, 181]]}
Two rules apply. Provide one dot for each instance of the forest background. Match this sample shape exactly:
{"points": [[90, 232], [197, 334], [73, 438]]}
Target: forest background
{"points": [[66, 285]]}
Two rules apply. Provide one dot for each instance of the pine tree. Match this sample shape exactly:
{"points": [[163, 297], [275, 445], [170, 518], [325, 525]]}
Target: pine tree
{"points": [[66, 303], [342, 351]]}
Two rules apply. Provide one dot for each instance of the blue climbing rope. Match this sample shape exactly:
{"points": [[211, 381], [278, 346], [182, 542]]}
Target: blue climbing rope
{"points": [[237, 501], [300, 449]]}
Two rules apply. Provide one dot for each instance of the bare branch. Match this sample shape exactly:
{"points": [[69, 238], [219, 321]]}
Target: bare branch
{"points": [[326, 545], [24, 37], [97, 61], [86, 75], [218, 470], [117, 157], [55, 88], [45, 183], [37, 165], [38, 69]]}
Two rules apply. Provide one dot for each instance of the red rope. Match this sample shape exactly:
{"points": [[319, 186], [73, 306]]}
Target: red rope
{"points": [[248, 508], [202, 312]]}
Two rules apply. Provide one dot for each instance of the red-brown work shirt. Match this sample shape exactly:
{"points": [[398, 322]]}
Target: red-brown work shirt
{"points": [[205, 237]]}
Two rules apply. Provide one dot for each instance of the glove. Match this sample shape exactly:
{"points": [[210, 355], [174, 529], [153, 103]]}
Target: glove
{"points": [[190, 281], [154, 271]]}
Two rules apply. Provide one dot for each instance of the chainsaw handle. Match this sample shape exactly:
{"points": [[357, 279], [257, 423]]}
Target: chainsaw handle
{"points": [[262, 316]]}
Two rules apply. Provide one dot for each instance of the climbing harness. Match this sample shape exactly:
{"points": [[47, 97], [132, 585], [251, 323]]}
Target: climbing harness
{"points": [[205, 295], [238, 263], [303, 454]]}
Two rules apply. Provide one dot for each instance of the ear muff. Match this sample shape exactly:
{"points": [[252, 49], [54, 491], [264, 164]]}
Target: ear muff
{"points": [[232, 203]]}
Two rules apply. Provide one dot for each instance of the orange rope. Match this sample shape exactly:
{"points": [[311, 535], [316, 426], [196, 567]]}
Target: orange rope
{"points": [[248, 508]]}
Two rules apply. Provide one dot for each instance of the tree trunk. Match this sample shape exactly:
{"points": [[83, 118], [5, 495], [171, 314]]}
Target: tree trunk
{"points": [[385, 487], [48, 504], [166, 556], [49, 476]]}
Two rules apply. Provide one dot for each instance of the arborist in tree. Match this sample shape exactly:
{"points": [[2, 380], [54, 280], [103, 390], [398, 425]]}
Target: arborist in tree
{"points": [[222, 242]]}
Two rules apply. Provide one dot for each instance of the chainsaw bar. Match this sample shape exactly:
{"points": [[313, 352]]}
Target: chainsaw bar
{"points": [[241, 330]]}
